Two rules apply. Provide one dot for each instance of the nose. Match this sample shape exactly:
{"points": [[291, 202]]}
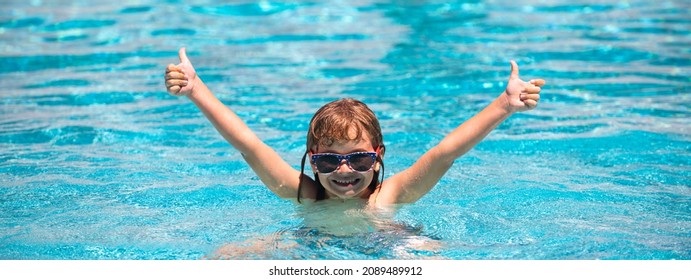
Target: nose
{"points": [[343, 167]]}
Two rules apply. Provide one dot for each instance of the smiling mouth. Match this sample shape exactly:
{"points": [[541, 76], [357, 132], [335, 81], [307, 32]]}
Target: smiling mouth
{"points": [[346, 182]]}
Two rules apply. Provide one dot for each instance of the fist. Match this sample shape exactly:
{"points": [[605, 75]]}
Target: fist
{"points": [[181, 78], [521, 95]]}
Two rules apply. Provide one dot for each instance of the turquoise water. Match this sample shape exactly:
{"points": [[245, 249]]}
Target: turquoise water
{"points": [[98, 162]]}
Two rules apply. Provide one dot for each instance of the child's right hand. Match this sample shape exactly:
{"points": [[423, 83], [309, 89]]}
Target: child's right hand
{"points": [[181, 78]]}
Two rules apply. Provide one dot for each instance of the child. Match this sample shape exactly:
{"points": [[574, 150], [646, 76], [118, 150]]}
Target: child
{"points": [[345, 146]]}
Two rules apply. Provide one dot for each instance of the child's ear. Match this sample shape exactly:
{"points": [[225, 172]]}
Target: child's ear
{"points": [[308, 156], [314, 168], [380, 157]]}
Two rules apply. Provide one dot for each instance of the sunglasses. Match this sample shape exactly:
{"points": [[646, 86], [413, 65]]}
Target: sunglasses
{"points": [[359, 161]]}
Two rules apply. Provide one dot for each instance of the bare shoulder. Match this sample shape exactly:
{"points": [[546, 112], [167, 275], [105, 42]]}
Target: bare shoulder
{"points": [[387, 193], [309, 188], [409, 185]]}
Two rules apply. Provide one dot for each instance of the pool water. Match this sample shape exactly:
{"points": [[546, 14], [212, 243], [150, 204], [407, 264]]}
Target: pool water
{"points": [[98, 162]]}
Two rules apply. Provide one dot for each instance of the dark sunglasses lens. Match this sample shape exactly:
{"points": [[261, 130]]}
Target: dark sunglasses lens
{"points": [[327, 163], [361, 162]]}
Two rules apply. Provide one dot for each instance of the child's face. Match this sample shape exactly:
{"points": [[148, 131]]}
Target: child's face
{"points": [[345, 182]]}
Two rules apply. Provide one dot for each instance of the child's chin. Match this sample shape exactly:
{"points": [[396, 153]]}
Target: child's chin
{"points": [[349, 192]]}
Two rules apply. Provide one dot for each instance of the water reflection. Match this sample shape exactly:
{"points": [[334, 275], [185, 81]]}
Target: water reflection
{"points": [[339, 230]]}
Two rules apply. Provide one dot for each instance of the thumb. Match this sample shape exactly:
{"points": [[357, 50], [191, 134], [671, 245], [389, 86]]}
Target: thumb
{"points": [[514, 70], [183, 56]]}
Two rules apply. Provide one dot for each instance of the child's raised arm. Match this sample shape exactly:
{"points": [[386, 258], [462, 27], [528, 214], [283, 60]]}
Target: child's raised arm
{"points": [[274, 172], [416, 181]]}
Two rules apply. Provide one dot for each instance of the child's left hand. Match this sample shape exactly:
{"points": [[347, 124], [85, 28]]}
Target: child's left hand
{"points": [[181, 78], [522, 96]]}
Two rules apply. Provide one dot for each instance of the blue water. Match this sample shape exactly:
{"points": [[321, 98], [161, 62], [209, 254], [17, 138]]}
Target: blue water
{"points": [[98, 162]]}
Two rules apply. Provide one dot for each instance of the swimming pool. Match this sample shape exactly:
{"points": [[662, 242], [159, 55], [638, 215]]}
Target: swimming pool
{"points": [[98, 162]]}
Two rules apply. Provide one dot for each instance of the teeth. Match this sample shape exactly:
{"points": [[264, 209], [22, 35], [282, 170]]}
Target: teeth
{"points": [[345, 181]]}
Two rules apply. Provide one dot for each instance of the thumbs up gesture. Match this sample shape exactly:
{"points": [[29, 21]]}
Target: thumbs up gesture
{"points": [[522, 96], [181, 78]]}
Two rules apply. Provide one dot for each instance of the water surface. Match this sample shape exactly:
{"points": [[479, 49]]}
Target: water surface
{"points": [[98, 162]]}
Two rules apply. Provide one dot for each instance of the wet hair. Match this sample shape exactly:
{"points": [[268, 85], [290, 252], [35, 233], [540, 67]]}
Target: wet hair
{"points": [[336, 121]]}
